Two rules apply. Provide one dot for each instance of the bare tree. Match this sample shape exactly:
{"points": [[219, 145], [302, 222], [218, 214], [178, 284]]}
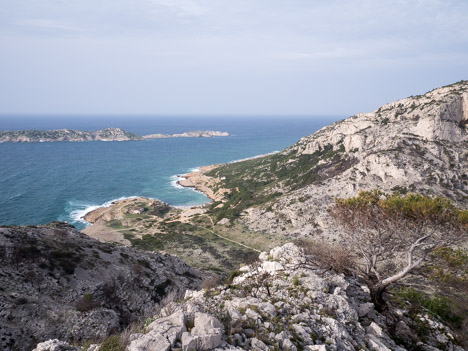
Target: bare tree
{"points": [[393, 234]]}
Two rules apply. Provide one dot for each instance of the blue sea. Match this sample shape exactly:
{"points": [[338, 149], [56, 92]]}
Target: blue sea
{"points": [[43, 182]]}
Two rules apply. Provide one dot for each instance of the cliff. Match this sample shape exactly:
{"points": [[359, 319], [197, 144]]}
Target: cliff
{"points": [[56, 282], [415, 144]]}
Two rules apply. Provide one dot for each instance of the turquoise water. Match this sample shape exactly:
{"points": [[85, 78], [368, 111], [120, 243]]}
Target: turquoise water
{"points": [[42, 182]]}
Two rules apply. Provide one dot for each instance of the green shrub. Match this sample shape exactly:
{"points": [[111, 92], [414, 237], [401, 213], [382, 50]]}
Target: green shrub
{"points": [[86, 303], [296, 280], [112, 343], [437, 305]]}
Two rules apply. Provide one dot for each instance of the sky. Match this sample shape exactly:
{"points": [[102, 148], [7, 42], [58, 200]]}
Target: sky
{"points": [[226, 57]]}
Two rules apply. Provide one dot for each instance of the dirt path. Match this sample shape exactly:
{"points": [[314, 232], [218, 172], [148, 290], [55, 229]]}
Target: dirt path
{"points": [[222, 237], [212, 232]]}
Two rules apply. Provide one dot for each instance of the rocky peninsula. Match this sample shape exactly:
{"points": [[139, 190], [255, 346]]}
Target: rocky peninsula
{"points": [[107, 134], [191, 134]]}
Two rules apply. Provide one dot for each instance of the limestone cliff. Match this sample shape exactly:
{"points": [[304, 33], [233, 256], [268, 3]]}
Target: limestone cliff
{"points": [[416, 144]]}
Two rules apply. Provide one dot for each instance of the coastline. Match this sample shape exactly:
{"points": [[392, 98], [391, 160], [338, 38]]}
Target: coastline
{"points": [[196, 180], [199, 181]]}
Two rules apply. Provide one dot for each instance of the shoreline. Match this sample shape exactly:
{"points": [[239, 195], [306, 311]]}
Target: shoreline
{"points": [[197, 180]]}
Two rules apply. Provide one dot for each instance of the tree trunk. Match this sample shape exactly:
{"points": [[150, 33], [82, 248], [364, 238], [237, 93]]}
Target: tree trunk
{"points": [[376, 295]]}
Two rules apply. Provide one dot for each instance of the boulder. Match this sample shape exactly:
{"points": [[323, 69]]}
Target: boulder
{"points": [[55, 345], [259, 345], [207, 330], [153, 341], [189, 343]]}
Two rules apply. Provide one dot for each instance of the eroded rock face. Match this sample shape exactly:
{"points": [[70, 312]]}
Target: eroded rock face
{"points": [[415, 144], [297, 308], [56, 282]]}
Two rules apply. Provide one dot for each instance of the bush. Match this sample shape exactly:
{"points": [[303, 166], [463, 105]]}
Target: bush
{"points": [[436, 305], [112, 343], [233, 275], [327, 256], [86, 303], [210, 283]]}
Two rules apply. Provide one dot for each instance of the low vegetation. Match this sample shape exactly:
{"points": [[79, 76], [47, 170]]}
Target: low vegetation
{"points": [[394, 234], [261, 180]]}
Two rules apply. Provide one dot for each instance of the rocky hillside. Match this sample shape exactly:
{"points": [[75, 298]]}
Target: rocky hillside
{"points": [[29, 136], [416, 144], [283, 302], [56, 282]]}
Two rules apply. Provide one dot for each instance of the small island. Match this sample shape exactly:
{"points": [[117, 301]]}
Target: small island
{"points": [[107, 134]]}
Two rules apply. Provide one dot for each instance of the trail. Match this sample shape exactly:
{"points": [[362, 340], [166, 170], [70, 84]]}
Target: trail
{"points": [[212, 232]]}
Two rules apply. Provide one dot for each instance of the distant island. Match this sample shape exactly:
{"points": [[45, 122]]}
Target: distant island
{"points": [[192, 134], [107, 134]]}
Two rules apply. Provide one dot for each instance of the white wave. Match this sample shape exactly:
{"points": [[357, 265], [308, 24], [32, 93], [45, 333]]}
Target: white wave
{"points": [[80, 209], [192, 170], [174, 181]]}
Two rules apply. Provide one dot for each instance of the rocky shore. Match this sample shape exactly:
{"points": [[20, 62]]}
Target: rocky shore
{"points": [[204, 183]]}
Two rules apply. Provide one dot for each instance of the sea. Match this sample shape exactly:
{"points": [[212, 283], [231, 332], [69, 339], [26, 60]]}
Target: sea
{"points": [[48, 181]]}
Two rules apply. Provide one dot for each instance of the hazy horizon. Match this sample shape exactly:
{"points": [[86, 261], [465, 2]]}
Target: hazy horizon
{"points": [[225, 58]]}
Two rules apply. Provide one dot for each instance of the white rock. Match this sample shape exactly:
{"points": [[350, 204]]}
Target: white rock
{"points": [[288, 345], [315, 348], [150, 342], [189, 343], [272, 267], [208, 331], [258, 345], [171, 327], [54, 345]]}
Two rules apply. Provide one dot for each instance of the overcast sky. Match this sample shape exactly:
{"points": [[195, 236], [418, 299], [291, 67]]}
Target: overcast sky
{"points": [[226, 57]]}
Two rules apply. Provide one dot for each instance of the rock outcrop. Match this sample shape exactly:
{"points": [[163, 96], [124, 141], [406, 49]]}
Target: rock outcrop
{"points": [[288, 305], [416, 144], [56, 282]]}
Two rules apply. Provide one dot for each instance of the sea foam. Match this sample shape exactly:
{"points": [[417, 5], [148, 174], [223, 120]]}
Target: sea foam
{"points": [[77, 209]]}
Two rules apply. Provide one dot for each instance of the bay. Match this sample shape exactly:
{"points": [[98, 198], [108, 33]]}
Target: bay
{"points": [[43, 182]]}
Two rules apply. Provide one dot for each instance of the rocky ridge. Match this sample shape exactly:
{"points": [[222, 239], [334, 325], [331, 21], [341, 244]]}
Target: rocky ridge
{"points": [[282, 302], [107, 134], [415, 144], [30, 136], [191, 134], [56, 282]]}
